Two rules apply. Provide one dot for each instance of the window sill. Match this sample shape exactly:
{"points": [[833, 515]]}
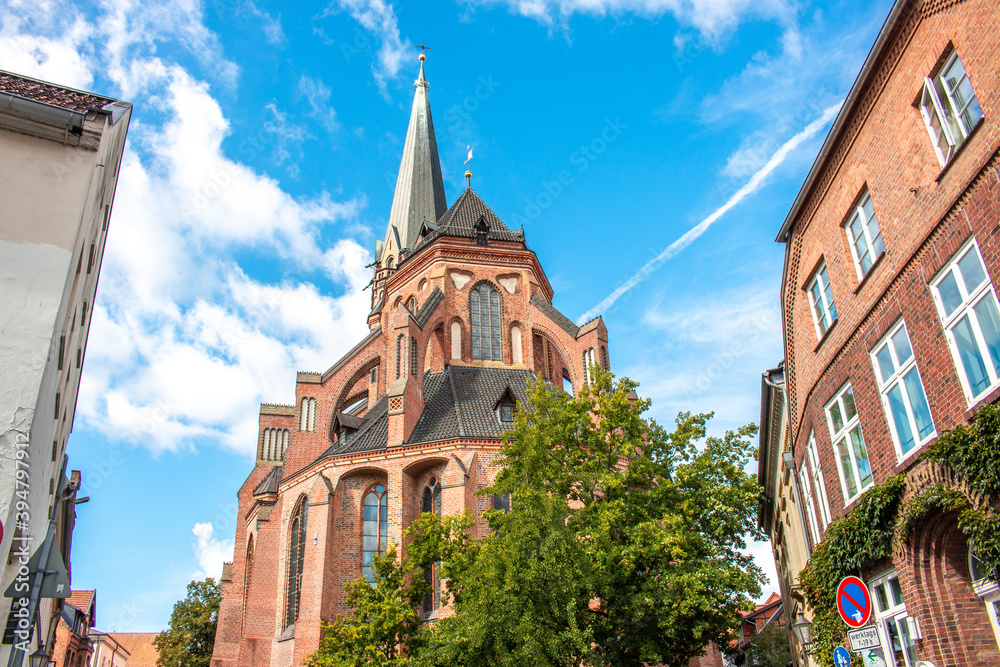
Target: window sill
{"points": [[991, 396], [823, 338], [871, 270], [287, 633], [960, 149]]}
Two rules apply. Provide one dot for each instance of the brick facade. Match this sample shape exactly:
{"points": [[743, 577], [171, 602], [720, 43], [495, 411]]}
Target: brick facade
{"points": [[926, 213], [336, 453]]}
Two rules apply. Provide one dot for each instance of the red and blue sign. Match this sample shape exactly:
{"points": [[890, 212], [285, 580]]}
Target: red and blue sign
{"points": [[854, 602]]}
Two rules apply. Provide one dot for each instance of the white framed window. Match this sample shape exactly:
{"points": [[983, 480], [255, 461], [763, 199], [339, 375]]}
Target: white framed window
{"points": [[848, 444], [903, 397], [864, 235], [816, 472], [896, 629], [810, 508], [988, 590], [821, 301], [949, 107], [969, 312]]}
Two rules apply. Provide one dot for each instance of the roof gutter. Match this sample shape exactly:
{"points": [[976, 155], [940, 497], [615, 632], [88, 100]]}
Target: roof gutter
{"points": [[838, 123], [42, 112]]}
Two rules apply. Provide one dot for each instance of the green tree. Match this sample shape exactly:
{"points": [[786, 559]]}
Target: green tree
{"points": [[625, 544], [770, 648], [191, 637]]}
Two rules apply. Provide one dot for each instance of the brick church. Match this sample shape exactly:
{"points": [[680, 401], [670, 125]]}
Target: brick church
{"points": [[408, 421]]}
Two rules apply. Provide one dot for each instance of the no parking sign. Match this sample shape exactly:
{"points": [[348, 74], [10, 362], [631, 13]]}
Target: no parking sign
{"points": [[854, 602]]}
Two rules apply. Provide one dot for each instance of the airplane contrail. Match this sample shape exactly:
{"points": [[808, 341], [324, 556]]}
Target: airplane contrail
{"points": [[751, 186]]}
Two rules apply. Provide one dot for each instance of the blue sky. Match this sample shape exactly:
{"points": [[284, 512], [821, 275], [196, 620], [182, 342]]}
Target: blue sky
{"points": [[259, 172]]}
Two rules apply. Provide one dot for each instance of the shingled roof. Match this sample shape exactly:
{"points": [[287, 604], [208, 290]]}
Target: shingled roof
{"points": [[550, 311], [270, 483], [459, 402], [66, 98], [461, 220]]}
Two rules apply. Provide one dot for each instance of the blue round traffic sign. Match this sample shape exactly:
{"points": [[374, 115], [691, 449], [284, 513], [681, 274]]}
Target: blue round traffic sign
{"points": [[841, 658], [854, 602]]}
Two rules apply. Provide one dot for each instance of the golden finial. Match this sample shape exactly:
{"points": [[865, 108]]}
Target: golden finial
{"points": [[468, 179]]}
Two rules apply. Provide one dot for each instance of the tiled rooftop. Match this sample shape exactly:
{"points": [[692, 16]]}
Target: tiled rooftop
{"points": [[74, 100]]}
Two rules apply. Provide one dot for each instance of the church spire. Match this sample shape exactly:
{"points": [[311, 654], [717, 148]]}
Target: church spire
{"points": [[419, 186]]}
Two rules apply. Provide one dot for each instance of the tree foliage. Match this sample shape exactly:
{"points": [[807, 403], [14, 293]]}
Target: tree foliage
{"points": [[191, 637], [770, 648], [625, 543]]}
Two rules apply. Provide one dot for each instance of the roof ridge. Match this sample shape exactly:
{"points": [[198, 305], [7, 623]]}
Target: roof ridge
{"points": [[454, 398]]}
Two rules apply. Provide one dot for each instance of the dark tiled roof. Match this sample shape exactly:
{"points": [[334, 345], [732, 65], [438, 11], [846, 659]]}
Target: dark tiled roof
{"points": [[427, 309], [564, 322], [372, 433], [350, 421], [461, 401], [270, 483], [461, 219], [74, 100]]}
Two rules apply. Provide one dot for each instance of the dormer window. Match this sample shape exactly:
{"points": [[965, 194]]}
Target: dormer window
{"points": [[505, 406], [482, 231]]}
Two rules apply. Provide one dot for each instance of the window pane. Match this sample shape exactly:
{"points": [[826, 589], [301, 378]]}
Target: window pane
{"points": [[828, 291], [861, 456], [883, 603], [370, 543], [972, 360], [989, 323], [838, 420], [885, 364], [918, 402], [877, 243], [856, 229], [897, 592], [846, 467], [951, 298], [901, 343], [963, 95], [371, 513], [849, 410], [900, 419], [973, 274]]}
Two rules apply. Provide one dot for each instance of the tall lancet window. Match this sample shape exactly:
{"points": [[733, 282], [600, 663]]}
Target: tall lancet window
{"points": [[296, 559], [376, 528], [249, 573], [484, 309], [432, 503]]}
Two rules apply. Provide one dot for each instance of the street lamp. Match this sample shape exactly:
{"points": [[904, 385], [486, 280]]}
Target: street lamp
{"points": [[39, 658], [803, 633]]}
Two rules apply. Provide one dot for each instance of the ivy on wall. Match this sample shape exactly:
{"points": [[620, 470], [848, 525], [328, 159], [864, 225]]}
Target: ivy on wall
{"points": [[879, 519]]}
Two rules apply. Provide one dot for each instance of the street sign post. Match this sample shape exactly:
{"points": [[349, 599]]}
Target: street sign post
{"points": [[863, 638], [841, 658], [854, 602]]}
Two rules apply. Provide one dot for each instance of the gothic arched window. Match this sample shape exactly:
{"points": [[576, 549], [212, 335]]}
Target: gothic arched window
{"points": [[376, 528], [249, 572], [399, 354], [484, 308], [296, 559], [432, 503], [413, 357]]}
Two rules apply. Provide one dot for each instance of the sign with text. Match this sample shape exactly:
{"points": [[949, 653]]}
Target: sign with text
{"points": [[863, 638]]}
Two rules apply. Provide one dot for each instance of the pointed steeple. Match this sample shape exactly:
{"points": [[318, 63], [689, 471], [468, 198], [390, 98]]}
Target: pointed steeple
{"points": [[419, 186]]}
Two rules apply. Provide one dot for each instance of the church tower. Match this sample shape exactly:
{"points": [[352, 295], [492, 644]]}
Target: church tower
{"points": [[408, 421]]}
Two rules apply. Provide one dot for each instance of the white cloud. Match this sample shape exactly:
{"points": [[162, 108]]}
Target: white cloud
{"points": [[317, 94], [210, 552], [378, 19], [711, 18], [184, 343]]}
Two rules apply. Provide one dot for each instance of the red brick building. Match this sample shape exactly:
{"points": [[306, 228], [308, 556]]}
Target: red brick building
{"points": [[73, 647], [408, 421], [892, 325]]}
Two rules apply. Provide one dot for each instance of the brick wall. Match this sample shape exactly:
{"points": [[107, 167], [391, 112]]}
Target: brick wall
{"points": [[925, 214]]}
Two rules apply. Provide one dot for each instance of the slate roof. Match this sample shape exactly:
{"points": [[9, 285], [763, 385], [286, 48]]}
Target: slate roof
{"points": [[564, 322], [426, 310], [270, 483], [372, 434], [66, 98], [461, 219], [461, 401]]}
